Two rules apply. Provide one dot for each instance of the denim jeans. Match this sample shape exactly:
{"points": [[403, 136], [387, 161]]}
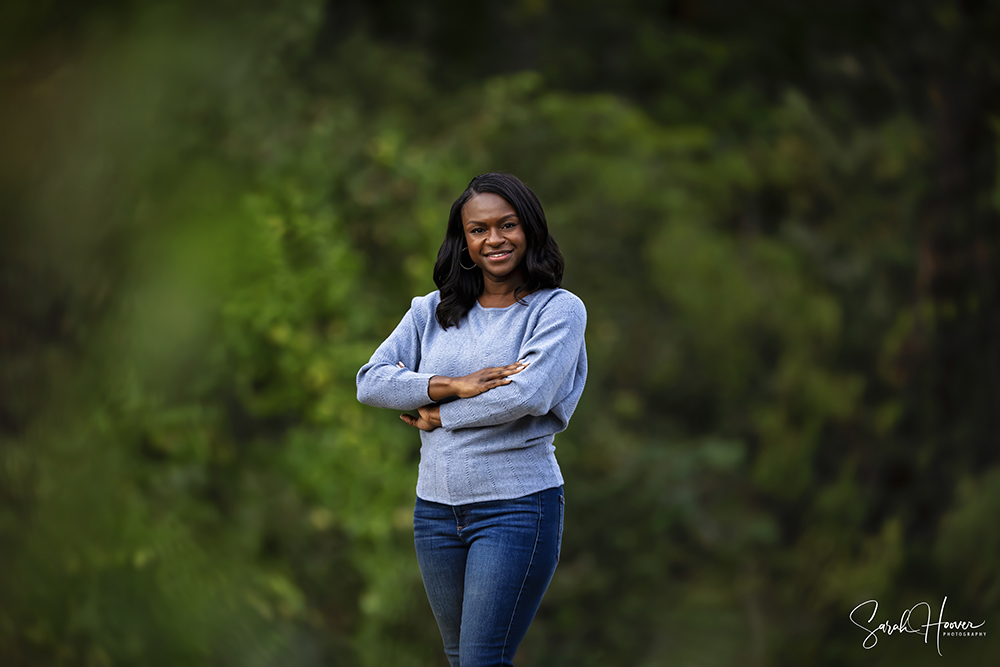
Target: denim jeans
{"points": [[485, 568]]}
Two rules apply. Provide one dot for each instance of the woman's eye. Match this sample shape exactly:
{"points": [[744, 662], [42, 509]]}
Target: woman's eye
{"points": [[509, 225]]}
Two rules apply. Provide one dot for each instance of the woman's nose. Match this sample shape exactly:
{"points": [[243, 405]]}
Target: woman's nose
{"points": [[495, 236]]}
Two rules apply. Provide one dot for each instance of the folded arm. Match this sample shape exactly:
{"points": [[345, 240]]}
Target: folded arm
{"points": [[552, 354], [383, 383]]}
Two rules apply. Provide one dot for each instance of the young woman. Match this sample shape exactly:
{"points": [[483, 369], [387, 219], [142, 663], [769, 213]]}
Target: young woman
{"points": [[494, 364]]}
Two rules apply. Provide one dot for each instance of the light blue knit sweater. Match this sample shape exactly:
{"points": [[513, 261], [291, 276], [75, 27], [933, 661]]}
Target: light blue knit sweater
{"points": [[497, 445]]}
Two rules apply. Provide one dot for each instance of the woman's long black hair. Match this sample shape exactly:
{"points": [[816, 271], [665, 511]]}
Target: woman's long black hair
{"points": [[543, 263]]}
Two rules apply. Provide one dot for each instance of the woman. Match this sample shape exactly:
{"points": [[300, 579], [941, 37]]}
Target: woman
{"points": [[494, 363]]}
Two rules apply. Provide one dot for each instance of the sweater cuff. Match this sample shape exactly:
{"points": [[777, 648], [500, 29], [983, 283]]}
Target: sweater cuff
{"points": [[458, 414], [450, 414], [412, 387]]}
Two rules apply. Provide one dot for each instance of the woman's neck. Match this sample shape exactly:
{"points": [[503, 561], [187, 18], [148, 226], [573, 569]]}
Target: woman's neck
{"points": [[500, 294]]}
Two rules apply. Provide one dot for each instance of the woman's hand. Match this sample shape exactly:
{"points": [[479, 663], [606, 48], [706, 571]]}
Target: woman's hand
{"points": [[441, 387], [428, 419], [473, 384]]}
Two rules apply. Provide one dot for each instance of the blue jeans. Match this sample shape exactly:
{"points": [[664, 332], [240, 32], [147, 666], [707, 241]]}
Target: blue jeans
{"points": [[485, 568]]}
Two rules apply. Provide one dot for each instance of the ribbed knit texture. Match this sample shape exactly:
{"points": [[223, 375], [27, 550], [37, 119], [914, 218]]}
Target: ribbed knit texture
{"points": [[497, 445]]}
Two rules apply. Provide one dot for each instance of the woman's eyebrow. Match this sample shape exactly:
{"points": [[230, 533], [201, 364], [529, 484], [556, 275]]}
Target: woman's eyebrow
{"points": [[477, 222]]}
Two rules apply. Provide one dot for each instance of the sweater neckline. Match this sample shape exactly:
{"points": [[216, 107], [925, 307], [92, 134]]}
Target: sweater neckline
{"points": [[524, 298]]}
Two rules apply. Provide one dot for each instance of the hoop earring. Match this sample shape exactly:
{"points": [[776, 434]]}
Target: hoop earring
{"points": [[467, 268]]}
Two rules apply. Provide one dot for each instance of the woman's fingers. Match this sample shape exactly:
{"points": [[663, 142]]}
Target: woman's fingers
{"points": [[488, 378], [512, 369], [420, 422]]}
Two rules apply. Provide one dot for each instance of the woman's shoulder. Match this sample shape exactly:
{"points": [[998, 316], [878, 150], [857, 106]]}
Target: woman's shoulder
{"points": [[429, 300], [562, 300], [424, 307]]}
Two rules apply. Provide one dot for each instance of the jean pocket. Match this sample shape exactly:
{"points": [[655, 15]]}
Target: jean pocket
{"points": [[562, 513]]}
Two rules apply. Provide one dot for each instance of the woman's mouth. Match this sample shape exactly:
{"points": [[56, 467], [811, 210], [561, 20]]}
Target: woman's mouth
{"points": [[498, 256]]}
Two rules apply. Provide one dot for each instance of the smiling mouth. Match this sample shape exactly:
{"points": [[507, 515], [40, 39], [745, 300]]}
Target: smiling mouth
{"points": [[498, 256]]}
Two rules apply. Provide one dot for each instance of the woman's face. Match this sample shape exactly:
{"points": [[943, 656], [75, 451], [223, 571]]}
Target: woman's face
{"points": [[495, 237]]}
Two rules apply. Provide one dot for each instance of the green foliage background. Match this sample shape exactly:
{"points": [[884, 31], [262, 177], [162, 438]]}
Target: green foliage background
{"points": [[783, 221]]}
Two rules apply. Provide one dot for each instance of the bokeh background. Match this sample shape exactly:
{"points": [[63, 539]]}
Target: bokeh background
{"points": [[783, 219]]}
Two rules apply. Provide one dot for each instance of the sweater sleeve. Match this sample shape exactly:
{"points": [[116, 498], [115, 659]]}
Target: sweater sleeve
{"points": [[383, 384], [554, 351]]}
